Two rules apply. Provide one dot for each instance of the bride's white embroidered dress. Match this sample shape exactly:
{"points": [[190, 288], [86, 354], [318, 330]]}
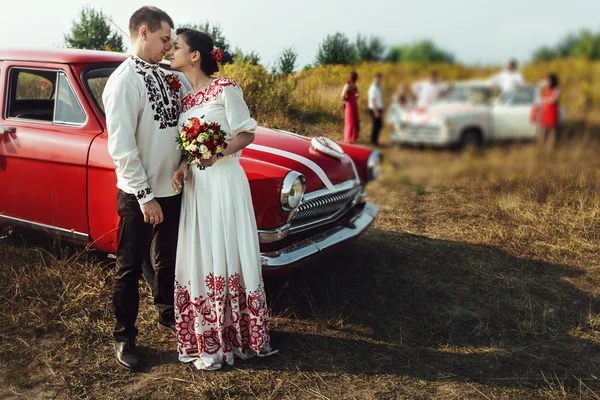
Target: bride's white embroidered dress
{"points": [[220, 302]]}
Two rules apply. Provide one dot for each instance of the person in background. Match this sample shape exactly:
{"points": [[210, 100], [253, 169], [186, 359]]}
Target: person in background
{"points": [[429, 92], [375, 104], [548, 122], [349, 97], [403, 100], [508, 79]]}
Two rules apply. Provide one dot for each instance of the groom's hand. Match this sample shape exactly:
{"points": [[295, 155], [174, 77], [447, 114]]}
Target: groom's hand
{"points": [[152, 212]]}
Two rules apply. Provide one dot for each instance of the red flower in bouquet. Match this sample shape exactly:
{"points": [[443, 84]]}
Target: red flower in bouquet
{"points": [[200, 139]]}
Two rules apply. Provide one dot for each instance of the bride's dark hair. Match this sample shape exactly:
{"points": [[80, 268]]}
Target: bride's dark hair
{"points": [[203, 43]]}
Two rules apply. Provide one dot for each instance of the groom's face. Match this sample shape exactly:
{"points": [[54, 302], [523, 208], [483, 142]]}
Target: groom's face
{"points": [[158, 42]]}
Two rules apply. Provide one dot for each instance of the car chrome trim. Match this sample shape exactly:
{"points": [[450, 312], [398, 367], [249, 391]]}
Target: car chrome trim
{"points": [[309, 247], [325, 209], [67, 123], [273, 235], [289, 180], [340, 187], [374, 165], [70, 233]]}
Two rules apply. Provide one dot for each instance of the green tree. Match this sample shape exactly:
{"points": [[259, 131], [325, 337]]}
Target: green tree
{"points": [[216, 33], [544, 54], [585, 44], [564, 48], [394, 54], [251, 58], [93, 32], [426, 52], [588, 46], [336, 49], [369, 49], [286, 63]]}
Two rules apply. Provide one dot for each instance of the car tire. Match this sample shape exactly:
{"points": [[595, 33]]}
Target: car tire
{"points": [[471, 139]]}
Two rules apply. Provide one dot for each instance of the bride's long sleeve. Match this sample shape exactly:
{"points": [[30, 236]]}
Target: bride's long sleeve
{"points": [[236, 111]]}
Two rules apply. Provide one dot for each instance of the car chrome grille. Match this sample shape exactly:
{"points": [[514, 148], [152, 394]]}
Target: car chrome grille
{"points": [[324, 208]]}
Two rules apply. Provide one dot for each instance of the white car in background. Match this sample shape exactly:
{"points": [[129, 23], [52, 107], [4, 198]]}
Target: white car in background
{"points": [[470, 113]]}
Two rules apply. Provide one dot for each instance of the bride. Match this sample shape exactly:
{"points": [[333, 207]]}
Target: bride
{"points": [[220, 302]]}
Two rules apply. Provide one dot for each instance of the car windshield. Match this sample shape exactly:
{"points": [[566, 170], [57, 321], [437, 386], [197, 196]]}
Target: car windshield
{"points": [[468, 94], [95, 80]]}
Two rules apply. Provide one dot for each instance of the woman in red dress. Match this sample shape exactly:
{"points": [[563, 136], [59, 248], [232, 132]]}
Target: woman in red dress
{"points": [[349, 96], [548, 125]]}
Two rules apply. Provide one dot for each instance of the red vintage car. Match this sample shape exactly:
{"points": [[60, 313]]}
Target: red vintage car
{"points": [[56, 174]]}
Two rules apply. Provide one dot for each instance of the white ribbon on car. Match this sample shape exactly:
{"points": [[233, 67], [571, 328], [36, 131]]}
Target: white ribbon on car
{"points": [[328, 147], [302, 160]]}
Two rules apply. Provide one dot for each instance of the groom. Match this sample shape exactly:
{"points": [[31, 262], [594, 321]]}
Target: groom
{"points": [[142, 111]]}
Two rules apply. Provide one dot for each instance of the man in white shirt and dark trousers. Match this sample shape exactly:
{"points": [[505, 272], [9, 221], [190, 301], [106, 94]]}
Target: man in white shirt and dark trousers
{"points": [[142, 111], [429, 92], [510, 78], [375, 104]]}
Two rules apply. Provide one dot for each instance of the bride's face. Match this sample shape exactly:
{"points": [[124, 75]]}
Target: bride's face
{"points": [[180, 55]]}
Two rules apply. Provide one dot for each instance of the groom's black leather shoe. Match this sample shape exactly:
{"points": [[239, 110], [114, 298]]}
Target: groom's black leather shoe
{"points": [[128, 355]]}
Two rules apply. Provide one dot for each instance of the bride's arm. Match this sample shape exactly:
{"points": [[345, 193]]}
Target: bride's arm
{"points": [[239, 142]]}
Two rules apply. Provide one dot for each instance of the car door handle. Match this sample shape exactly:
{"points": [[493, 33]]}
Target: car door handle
{"points": [[7, 129]]}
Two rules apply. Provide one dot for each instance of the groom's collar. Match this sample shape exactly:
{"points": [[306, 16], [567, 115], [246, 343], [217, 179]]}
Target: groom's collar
{"points": [[143, 64]]}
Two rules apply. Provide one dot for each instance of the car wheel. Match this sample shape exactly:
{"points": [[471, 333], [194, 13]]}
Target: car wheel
{"points": [[471, 139]]}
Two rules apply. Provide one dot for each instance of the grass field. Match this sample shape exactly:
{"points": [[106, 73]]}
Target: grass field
{"points": [[479, 280]]}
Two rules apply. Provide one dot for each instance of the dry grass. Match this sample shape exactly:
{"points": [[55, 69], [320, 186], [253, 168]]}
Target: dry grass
{"points": [[479, 280]]}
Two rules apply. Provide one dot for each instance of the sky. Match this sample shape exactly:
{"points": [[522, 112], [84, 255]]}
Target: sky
{"points": [[475, 31]]}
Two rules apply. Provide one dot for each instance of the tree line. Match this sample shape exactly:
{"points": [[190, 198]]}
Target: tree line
{"points": [[92, 30]]}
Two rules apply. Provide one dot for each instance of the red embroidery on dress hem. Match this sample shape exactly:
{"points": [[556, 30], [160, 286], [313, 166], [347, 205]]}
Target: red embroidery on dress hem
{"points": [[227, 318]]}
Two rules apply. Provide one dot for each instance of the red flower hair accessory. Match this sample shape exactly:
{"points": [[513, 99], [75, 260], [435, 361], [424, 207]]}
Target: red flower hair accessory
{"points": [[217, 54]]}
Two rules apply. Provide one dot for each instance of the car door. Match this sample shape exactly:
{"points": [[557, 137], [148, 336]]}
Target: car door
{"points": [[511, 115], [46, 134]]}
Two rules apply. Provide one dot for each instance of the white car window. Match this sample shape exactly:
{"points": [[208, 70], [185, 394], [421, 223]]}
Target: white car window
{"points": [[523, 97], [506, 98], [517, 97]]}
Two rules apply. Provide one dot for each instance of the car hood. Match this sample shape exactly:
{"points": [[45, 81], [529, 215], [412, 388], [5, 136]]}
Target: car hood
{"points": [[432, 114], [295, 152]]}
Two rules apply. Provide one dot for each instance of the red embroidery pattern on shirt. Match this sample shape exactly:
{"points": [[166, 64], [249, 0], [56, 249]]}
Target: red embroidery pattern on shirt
{"points": [[206, 95], [228, 318]]}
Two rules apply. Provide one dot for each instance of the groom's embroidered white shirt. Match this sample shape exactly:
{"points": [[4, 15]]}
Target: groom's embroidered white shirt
{"points": [[142, 109]]}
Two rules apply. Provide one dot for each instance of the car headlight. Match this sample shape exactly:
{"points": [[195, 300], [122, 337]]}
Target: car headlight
{"points": [[292, 190], [374, 165]]}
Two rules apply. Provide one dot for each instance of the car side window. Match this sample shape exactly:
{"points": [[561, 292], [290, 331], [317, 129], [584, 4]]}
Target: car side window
{"points": [[31, 94], [68, 108], [523, 97], [505, 98], [43, 95]]}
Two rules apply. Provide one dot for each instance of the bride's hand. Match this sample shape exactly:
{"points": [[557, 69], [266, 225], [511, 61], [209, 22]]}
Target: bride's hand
{"points": [[179, 177], [207, 162]]}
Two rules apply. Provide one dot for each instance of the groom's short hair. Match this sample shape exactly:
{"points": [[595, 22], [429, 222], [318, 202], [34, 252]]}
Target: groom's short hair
{"points": [[149, 16]]}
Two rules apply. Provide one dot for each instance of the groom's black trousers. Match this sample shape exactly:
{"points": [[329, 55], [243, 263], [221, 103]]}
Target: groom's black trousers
{"points": [[141, 245]]}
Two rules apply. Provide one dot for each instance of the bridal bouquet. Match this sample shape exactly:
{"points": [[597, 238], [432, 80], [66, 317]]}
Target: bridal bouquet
{"points": [[200, 139]]}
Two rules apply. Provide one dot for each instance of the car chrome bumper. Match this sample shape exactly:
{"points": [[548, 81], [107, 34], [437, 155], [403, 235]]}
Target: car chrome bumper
{"points": [[301, 251], [434, 140]]}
